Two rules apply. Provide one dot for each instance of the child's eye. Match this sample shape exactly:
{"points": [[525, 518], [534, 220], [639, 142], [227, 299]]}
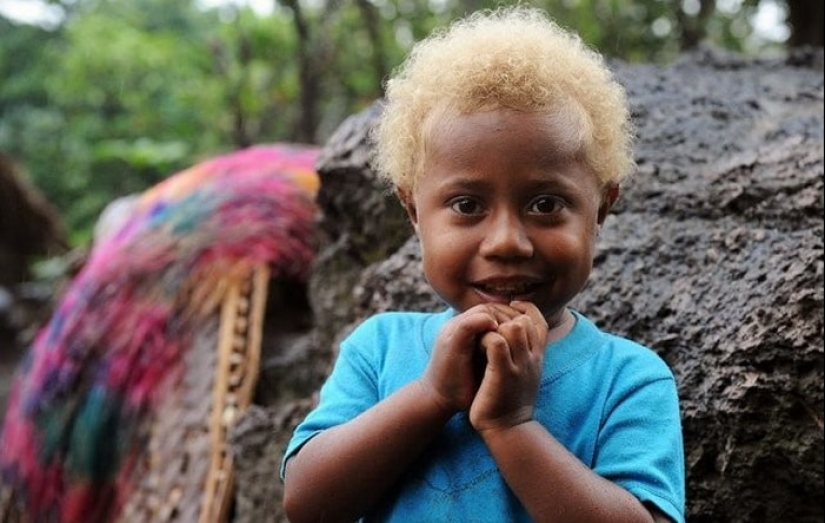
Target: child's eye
{"points": [[544, 205], [465, 205]]}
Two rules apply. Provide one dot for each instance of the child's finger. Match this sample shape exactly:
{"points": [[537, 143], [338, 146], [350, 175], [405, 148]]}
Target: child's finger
{"points": [[496, 350], [538, 334], [525, 307], [519, 335], [472, 323], [501, 311]]}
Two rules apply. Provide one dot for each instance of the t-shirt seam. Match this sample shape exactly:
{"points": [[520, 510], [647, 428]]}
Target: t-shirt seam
{"points": [[577, 362], [659, 496]]}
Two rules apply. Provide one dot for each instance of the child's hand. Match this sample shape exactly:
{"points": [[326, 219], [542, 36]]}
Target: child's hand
{"points": [[452, 375], [515, 356]]}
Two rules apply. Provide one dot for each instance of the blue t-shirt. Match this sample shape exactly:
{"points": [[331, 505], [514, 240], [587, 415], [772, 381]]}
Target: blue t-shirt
{"points": [[611, 402]]}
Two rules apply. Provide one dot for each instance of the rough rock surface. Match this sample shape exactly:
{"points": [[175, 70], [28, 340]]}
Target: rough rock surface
{"points": [[713, 257]]}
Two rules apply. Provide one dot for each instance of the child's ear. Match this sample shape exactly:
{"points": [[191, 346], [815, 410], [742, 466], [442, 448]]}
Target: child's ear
{"points": [[409, 205], [609, 196]]}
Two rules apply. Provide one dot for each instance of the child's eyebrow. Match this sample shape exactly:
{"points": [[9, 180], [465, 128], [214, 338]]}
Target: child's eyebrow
{"points": [[467, 182], [452, 178], [544, 182]]}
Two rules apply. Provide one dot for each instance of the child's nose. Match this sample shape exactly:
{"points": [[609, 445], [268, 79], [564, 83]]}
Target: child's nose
{"points": [[506, 237]]}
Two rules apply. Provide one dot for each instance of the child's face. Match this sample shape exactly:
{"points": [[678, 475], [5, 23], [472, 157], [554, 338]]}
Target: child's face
{"points": [[505, 210]]}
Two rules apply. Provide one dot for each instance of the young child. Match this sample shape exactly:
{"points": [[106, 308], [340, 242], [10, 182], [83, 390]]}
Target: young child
{"points": [[507, 141]]}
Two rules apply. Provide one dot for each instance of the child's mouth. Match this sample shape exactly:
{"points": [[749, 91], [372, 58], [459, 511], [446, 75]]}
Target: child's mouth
{"points": [[506, 292]]}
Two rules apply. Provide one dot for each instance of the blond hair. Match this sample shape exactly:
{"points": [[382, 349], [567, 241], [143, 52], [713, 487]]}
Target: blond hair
{"points": [[509, 58]]}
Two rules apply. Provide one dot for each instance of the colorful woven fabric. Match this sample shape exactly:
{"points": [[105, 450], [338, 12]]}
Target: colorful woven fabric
{"points": [[78, 412]]}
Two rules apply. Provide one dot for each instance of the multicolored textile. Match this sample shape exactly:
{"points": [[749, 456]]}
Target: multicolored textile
{"points": [[81, 402]]}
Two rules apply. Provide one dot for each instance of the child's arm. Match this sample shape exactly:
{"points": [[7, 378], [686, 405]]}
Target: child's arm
{"points": [[553, 484], [549, 480], [341, 473]]}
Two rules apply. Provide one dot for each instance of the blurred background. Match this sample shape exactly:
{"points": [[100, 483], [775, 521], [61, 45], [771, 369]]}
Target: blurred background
{"points": [[103, 98], [100, 99]]}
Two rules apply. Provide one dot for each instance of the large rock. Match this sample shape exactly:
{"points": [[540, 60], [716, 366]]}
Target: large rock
{"points": [[713, 257]]}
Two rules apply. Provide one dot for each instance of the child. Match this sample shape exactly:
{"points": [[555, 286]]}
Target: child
{"points": [[506, 140]]}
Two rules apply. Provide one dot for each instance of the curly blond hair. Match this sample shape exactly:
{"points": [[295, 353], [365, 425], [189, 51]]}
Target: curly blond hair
{"points": [[509, 58]]}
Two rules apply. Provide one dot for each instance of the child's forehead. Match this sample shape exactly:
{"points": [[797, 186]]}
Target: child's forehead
{"points": [[557, 132], [561, 110], [534, 148]]}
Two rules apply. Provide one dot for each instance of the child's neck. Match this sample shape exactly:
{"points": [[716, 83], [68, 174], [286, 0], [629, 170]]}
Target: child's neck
{"points": [[562, 327]]}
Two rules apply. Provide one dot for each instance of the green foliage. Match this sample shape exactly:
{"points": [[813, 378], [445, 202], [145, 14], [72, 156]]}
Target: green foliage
{"points": [[125, 92], [128, 97], [256, 65]]}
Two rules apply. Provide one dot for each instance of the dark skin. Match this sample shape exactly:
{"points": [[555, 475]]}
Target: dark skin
{"points": [[507, 215]]}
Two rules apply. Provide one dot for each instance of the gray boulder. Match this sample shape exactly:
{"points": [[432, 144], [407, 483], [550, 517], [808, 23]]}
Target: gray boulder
{"points": [[713, 257]]}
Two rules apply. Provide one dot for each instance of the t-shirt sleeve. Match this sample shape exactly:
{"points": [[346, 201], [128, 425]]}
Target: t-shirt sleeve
{"points": [[640, 446], [348, 391]]}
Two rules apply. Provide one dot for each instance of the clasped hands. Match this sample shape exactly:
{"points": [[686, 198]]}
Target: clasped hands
{"points": [[488, 360]]}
